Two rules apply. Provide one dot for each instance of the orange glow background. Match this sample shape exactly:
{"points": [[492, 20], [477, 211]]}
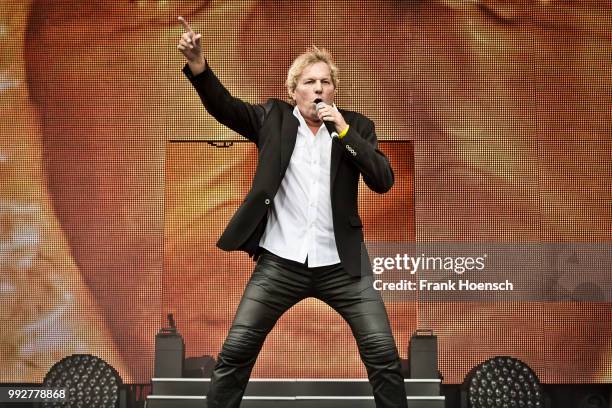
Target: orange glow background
{"points": [[105, 225]]}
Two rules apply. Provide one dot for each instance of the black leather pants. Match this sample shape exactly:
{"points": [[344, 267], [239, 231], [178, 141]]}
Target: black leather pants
{"points": [[275, 286]]}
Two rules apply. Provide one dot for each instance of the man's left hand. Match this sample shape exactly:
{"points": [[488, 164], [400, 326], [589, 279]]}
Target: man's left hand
{"points": [[330, 114]]}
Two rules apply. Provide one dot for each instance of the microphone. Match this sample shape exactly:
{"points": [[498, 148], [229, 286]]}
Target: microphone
{"points": [[331, 128]]}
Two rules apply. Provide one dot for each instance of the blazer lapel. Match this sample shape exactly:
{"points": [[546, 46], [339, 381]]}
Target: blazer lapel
{"points": [[289, 127], [337, 151], [336, 158]]}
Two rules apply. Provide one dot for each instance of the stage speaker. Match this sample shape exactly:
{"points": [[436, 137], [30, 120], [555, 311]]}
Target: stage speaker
{"points": [[423, 354], [199, 367], [169, 352]]}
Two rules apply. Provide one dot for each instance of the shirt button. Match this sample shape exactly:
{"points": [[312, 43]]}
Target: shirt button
{"points": [[267, 201]]}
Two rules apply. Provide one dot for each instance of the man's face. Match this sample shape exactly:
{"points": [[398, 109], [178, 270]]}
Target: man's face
{"points": [[315, 82]]}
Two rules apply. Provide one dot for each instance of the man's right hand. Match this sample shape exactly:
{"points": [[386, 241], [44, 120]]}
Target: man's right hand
{"points": [[191, 48]]}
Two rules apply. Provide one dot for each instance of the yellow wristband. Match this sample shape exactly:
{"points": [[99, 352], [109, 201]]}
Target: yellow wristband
{"points": [[344, 132]]}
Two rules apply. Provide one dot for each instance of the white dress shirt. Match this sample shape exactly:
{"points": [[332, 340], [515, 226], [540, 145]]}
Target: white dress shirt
{"points": [[300, 224]]}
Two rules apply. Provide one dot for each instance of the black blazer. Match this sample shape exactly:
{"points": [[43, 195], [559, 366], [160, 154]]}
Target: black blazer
{"points": [[273, 128]]}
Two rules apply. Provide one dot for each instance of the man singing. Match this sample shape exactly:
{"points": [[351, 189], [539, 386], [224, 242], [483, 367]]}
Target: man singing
{"points": [[300, 219]]}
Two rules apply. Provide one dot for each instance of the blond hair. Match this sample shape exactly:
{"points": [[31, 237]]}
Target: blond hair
{"points": [[311, 56]]}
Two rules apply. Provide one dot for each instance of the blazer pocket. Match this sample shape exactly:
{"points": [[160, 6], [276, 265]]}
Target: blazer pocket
{"points": [[355, 221]]}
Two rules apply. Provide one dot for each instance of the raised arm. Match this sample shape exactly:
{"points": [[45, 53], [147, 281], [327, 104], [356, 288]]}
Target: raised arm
{"points": [[190, 46], [242, 117]]}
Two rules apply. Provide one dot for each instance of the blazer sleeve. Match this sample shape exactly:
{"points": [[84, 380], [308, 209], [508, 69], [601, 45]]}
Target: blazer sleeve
{"points": [[242, 117], [361, 147]]}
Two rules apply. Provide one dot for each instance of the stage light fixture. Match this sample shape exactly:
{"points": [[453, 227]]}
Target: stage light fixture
{"points": [[89, 380], [503, 382]]}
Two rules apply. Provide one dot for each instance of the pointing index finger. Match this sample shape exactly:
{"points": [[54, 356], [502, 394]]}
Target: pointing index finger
{"points": [[186, 25]]}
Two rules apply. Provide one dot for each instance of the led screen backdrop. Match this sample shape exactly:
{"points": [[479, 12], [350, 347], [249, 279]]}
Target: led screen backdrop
{"points": [[506, 106]]}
